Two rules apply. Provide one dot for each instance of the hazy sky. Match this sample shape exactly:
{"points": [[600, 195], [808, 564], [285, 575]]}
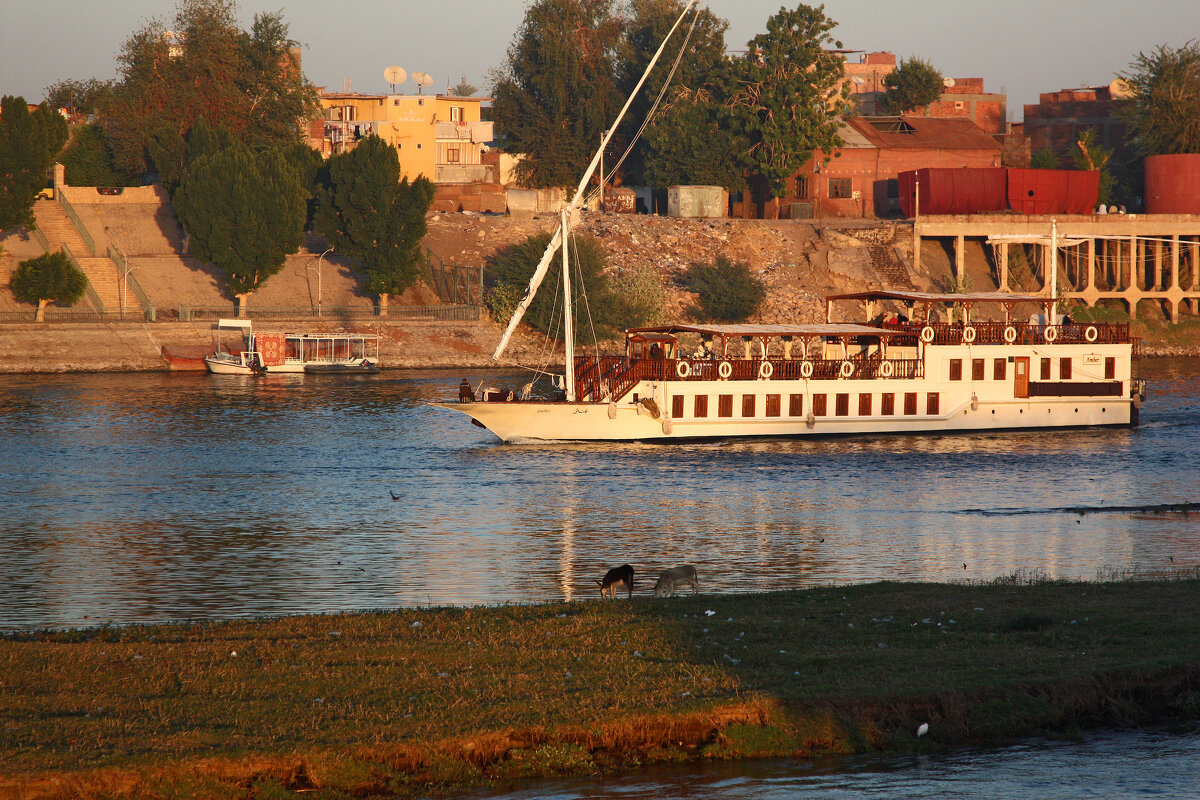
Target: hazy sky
{"points": [[1021, 47]]}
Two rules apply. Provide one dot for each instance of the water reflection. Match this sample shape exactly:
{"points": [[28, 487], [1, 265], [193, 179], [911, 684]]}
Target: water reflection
{"points": [[152, 497]]}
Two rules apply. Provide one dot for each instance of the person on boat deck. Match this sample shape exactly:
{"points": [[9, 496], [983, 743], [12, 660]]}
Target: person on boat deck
{"points": [[465, 395], [656, 351]]}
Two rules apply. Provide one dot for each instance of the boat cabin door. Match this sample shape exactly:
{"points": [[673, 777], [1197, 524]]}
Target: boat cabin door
{"points": [[1021, 376]]}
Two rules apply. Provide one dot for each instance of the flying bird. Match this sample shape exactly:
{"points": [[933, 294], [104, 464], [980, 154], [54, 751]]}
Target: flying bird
{"points": [[924, 729]]}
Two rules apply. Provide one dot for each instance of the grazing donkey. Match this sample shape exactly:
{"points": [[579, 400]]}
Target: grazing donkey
{"points": [[683, 575], [615, 578]]}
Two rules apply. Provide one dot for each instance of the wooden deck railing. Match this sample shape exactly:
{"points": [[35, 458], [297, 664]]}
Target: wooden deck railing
{"points": [[1016, 333]]}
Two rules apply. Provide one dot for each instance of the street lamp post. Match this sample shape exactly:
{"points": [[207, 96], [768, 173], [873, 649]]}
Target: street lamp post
{"points": [[125, 270], [318, 269]]}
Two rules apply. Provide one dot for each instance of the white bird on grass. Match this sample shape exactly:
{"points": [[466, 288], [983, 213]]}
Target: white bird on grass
{"points": [[923, 729]]}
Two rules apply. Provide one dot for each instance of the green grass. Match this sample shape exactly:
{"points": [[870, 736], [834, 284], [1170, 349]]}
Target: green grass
{"points": [[409, 702]]}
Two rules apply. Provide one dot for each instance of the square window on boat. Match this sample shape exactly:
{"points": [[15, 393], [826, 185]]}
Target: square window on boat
{"points": [[956, 369], [1045, 369], [701, 407], [1110, 369], [910, 403], [977, 369], [724, 405], [677, 406], [796, 405], [932, 403], [1064, 369], [999, 369], [772, 405], [887, 404], [818, 405], [842, 404], [747, 405], [864, 405]]}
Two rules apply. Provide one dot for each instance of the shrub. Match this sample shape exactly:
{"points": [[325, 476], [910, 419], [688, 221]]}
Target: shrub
{"points": [[642, 293], [728, 292]]}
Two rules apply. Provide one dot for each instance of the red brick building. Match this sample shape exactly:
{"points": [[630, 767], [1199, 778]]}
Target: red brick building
{"points": [[860, 179], [1058, 119]]}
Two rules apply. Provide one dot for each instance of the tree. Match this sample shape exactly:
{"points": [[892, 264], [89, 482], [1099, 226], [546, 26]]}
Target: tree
{"points": [[511, 269], [1164, 117], [464, 89], [1092, 157], [208, 68], [49, 278], [88, 159], [366, 212], [79, 96], [29, 143], [556, 93], [786, 101], [728, 292], [244, 213], [915, 84], [1045, 158], [691, 143]]}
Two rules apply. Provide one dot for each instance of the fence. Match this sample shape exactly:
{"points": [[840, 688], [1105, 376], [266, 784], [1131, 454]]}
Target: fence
{"points": [[444, 313], [80, 228], [454, 283]]}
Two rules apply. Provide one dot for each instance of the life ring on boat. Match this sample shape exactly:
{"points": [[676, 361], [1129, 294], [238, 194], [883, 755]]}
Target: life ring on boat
{"points": [[1091, 334], [969, 334], [725, 370], [766, 370], [1010, 334], [683, 369], [885, 369], [806, 369], [847, 369], [927, 334], [1051, 333]]}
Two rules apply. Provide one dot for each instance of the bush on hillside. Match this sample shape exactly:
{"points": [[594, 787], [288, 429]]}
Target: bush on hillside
{"points": [[727, 291]]}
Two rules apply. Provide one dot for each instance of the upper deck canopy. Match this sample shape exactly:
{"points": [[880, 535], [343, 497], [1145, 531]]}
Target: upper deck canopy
{"points": [[838, 329], [1004, 298]]}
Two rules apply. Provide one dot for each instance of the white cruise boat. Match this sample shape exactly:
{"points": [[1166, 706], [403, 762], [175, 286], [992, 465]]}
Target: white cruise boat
{"points": [[292, 352]]}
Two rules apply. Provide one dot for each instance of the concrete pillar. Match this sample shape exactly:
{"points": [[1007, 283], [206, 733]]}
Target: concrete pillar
{"points": [[1174, 262], [1091, 264], [1004, 267], [960, 246], [916, 247]]}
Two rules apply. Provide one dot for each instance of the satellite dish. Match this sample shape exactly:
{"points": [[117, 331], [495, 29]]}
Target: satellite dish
{"points": [[394, 75], [948, 82], [859, 80], [422, 79]]}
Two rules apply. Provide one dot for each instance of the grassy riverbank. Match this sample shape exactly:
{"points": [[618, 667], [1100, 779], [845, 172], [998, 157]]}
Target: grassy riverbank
{"points": [[412, 702]]}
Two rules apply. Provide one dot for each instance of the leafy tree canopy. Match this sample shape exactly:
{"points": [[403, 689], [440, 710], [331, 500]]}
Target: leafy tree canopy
{"points": [[691, 143], [49, 278], [786, 101], [1045, 158], [206, 67], [366, 212], [727, 290], [29, 143], [79, 96], [244, 211], [915, 84], [88, 159], [1165, 115], [556, 93], [1088, 155]]}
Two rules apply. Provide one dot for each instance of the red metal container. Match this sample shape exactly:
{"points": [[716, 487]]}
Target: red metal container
{"points": [[949, 190], [1173, 184], [1052, 191]]}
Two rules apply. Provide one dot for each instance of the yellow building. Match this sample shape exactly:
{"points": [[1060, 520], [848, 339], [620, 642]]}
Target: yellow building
{"points": [[439, 136]]}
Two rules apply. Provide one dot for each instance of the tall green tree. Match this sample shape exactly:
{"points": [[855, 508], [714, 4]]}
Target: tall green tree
{"points": [[79, 96], [49, 278], [691, 142], [88, 159], [1164, 117], [556, 92], [244, 212], [366, 212], [692, 72], [786, 100], [29, 143], [915, 84], [1090, 156], [206, 67]]}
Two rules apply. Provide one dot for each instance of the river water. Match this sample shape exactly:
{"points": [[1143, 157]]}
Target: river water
{"points": [[151, 497]]}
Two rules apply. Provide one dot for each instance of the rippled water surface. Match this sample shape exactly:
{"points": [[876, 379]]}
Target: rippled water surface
{"points": [[148, 497]]}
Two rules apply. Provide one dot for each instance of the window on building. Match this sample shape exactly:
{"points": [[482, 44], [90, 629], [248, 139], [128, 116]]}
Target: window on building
{"points": [[701, 408], [1064, 369], [677, 406], [818, 405], [724, 405], [977, 369], [747, 406], [910, 403], [802, 187], [842, 405], [864, 405], [1045, 369], [956, 369], [796, 405], [840, 187], [999, 369], [887, 404], [1110, 369], [418, 145], [772, 405], [456, 113], [452, 155], [932, 403]]}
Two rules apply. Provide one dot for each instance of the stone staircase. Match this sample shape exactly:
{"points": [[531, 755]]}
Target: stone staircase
{"points": [[884, 260], [101, 272]]}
